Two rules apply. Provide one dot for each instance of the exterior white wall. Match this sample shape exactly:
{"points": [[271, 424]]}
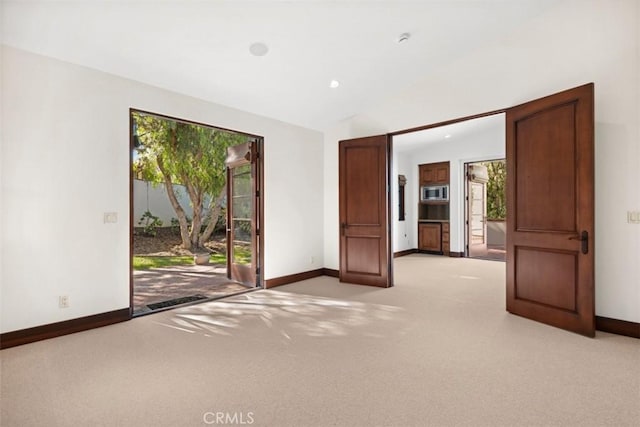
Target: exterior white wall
{"points": [[153, 198], [576, 42], [65, 162]]}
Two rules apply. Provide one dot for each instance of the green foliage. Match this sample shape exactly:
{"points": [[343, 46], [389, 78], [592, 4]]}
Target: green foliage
{"points": [[174, 152], [175, 225], [496, 197], [147, 262], [150, 223], [192, 155]]}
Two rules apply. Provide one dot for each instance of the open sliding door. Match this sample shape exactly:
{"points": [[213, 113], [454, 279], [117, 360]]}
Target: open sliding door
{"points": [[242, 214], [550, 213], [365, 252]]}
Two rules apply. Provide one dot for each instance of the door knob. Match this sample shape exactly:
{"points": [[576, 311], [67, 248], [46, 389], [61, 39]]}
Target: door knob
{"points": [[584, 238]]}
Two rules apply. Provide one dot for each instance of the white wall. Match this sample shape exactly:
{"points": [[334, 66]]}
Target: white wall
{"points": [[65, 161], [404, 232], [577, 42]]}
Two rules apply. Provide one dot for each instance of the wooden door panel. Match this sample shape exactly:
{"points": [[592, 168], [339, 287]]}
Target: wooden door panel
{"points": [[555, 285], [363, 186], [550, 186], [365, 252], [547, 177], [364, 255]]}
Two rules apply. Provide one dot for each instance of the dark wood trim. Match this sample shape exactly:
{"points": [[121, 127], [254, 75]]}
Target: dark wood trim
{"points": [[260, 206], [53, 330], [331, 272], [292, 278], [447, 122], [404, 253], [131, 211], [191, 122], [456, 254], [620, 327]]}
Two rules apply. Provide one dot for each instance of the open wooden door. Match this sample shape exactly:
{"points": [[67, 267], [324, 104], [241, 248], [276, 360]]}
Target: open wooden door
{"points": [[550, 212], [477, 222], [365, 252], [242, 214]]}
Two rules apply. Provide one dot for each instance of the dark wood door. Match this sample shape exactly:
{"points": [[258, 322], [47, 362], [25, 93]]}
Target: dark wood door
{"points": [[550, 210], [242, 214], [365, 252]]}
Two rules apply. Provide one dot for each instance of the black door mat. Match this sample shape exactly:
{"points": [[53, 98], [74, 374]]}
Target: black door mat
{"points": [[176, 301]]}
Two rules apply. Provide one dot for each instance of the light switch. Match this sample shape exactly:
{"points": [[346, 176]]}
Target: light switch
{"points": [[633, 217], [110, 217]]}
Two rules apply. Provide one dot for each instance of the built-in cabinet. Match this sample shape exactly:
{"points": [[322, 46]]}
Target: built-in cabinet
{"points": [[433, 216], [434, 173], [430, 236]]}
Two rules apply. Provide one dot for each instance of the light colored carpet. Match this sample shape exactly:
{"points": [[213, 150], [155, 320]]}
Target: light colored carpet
{"points": [[436, 350]]}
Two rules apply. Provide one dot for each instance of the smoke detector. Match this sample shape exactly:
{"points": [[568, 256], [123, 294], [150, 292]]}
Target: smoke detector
{"points": [[403, 37]]}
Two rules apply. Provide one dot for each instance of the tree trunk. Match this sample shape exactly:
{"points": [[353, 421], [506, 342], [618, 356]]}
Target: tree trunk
{"points": [[196, 203], [182, 216], [214, 215]]}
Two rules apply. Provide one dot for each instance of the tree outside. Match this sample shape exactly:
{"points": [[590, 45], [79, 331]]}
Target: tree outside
{"points": [[496, 197], [173, 152]]}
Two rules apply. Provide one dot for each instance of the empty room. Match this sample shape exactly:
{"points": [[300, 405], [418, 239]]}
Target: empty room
{"points": [[314, 213]]}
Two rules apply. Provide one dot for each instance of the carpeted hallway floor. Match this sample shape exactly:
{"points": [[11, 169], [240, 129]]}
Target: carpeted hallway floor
{"points": [[438, 349]]}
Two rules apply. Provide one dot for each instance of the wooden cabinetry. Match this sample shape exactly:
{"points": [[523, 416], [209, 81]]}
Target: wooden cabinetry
{"points": [[434, 173], [445, 238], [430, 237], [434, 237]]}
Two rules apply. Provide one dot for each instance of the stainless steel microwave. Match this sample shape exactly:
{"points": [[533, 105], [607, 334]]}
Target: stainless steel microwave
{"points": [[436, 193]]}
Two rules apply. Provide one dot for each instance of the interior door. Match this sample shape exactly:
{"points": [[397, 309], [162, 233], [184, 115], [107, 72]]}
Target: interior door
{"points": [[477, 219], [550, 210], [365, 252], [242, 214]]}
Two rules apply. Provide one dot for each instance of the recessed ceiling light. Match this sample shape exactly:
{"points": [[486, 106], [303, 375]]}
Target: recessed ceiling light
{"points": [[334, 84], [258, 49], [448, 136]]}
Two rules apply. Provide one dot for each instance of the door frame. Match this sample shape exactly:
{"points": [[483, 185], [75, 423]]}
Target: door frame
{"points": [[258, 140]]}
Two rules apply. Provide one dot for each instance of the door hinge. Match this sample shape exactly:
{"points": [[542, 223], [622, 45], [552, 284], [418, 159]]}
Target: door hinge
{"points": [[257, 271], [257, 231], [257, 193]]}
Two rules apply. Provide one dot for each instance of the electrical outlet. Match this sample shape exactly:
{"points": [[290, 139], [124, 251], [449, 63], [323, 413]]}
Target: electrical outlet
{"points": [[633, 217], [63, 301]]}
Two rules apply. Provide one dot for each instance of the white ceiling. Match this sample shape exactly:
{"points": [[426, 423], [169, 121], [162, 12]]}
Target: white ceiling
{"points": [[201, 48]]}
